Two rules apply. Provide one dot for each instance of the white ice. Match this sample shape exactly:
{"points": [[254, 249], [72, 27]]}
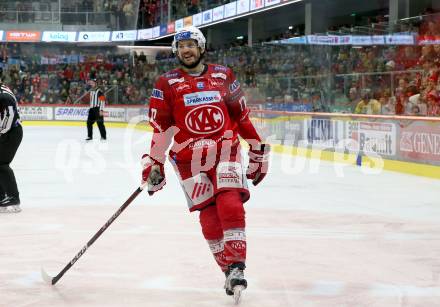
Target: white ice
{"points": [[318, 234]]}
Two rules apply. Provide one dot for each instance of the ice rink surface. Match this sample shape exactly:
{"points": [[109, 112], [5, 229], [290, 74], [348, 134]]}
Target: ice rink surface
{"points": [[318, 234]]}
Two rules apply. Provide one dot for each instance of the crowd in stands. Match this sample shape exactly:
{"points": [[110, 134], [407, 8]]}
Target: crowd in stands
{"points": [[151, 11], [402, 80], [115, 14], [47, 77]]}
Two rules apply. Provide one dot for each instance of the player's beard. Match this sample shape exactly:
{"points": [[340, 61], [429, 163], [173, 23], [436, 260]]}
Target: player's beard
{"points": [[190, 66]]}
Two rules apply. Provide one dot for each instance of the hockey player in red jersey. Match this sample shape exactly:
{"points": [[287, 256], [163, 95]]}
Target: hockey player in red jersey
{"points": [[202, 107]]}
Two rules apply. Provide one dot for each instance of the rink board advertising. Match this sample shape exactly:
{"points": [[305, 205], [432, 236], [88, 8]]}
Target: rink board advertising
{"points": [[80, 113], [416, 141]]}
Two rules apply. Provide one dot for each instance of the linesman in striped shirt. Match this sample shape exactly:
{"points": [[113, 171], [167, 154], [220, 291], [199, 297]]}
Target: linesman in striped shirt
{"points": [[96, 111], [11, 134]]}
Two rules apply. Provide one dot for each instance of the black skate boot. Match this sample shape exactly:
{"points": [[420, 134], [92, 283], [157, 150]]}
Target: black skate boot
{"points": [[235, 282], [4, 197], [10, 204]]}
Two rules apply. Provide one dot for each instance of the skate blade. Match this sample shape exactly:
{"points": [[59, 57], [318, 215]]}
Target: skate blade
{"points": [[10, 209], [237, 293]]}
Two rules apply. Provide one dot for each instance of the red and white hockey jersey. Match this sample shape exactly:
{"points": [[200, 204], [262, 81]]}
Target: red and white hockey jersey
{"points": [[202, 111]]}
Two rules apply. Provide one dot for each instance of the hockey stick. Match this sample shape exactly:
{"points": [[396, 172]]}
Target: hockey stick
{"points": [[53, 280]]}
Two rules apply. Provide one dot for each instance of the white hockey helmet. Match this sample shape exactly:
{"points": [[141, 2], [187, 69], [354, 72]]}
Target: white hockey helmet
{"points": [[189, 32]]}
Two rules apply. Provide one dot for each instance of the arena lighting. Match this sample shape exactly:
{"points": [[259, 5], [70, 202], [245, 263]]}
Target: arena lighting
{"points": [[235, 17], [290, 27], [239, 37]]}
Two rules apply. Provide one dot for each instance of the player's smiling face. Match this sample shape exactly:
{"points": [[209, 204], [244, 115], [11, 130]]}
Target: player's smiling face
{"points": [[188, 52]]}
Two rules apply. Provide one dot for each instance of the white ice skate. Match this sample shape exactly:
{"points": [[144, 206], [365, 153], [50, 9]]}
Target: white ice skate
{"points": [[235, 282]]}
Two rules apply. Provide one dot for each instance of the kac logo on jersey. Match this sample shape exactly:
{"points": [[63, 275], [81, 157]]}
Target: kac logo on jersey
{"points": [[198, 98], [200, 85], [234, 86], [157, 94], [205, 119]]}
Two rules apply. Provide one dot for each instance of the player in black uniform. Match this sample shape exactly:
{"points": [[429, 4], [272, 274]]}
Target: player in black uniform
{"points": [[11, 134]]}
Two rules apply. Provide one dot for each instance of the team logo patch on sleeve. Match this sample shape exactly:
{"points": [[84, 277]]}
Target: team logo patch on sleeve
{"points": [[179, 80], [171, 75], [157, 94], [220, 68], [234, 86]]}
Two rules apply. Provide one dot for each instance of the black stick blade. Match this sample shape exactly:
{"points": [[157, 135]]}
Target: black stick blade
{"points": [[48, 279]]}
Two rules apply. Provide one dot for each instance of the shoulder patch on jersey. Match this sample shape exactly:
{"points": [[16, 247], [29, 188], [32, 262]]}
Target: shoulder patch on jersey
{"points": [[219, 75], [234, 86], [157, 94], [172, 81], [220, 68], [171, 75]]}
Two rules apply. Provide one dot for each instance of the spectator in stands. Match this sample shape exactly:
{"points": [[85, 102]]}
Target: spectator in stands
{"points": [[368, 105], [407, 58], [388, 106], [400, 101], [427, 55], [412, 100], [422, 108], [36, 81], [390, 65], [180, 9], [128, 10], [115, 14], [36, 97], [433, 103], [142, 57], [250, 76], [26, 97], [193, 7], [353, 98]]}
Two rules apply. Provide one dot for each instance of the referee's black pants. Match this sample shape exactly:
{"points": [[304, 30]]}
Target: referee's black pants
{"points": [[91, 119], [9, 143]]}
